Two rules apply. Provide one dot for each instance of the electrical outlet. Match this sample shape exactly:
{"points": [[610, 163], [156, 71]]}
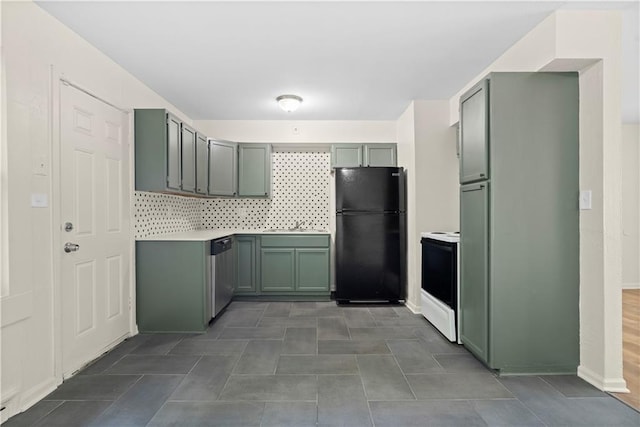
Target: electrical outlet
{"points": [[242, 212]]}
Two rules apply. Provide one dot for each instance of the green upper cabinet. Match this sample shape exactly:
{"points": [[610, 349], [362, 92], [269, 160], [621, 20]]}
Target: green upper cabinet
{"points": [[346, 155], [474, 120], [188, 159], [356, 155], [380, 155], [165, 153], [172, 137], [202, 164], [254, 170], [223, 160]]}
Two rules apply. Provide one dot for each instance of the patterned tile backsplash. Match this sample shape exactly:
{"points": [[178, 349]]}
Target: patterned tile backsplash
{"points": [[300, 191], [157, 213]]}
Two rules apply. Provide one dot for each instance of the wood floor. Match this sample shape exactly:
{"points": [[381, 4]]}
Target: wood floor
{"points": [[631, 346]]}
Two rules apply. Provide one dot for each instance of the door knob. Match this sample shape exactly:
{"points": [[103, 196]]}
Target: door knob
{"points": [[71, 247]]}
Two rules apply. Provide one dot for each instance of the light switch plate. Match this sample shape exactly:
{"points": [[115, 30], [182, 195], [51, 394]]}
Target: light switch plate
{"points": [[585, 200], [39, 200]]}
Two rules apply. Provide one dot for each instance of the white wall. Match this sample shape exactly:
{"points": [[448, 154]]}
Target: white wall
{"points": [[588, 42], [32, 42], [438, 186], [406, 137], [427, 149], [598, 35], [631, 206], [306, 131]]}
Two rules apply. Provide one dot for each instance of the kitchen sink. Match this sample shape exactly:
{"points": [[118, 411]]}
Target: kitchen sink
{"points": [[293, 230]]}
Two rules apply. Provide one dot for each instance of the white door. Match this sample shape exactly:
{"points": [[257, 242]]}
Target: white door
{"points": [[94, 212]]}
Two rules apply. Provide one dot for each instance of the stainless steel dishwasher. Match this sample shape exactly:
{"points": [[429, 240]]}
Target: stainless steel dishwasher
{"points": [[221, 274]]}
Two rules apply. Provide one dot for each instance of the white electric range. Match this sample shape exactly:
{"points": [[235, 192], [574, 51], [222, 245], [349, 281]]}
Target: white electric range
{"points": [[441, 282]]}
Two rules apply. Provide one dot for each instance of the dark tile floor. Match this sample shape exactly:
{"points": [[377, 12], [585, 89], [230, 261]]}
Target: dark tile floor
{"points": [[313, 364]]}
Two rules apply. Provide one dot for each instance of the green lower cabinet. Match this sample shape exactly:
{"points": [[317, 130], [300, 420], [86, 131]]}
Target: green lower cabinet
{"points": [[292, 265], [246, 265], [278, 270], [294, 271], [312, 270], [171, 286]]}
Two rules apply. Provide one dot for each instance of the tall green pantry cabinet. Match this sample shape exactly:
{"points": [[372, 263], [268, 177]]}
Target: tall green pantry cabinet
{"points": [[519, 235]]}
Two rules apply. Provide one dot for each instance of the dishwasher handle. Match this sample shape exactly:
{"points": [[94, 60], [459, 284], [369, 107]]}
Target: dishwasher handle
{"points": [[221, 245]]}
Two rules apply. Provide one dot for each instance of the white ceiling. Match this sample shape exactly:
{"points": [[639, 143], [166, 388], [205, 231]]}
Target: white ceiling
{"points": [[349, 60]]}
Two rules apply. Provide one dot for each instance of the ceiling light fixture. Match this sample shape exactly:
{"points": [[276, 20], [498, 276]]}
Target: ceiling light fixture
{"points": [[289, 103]]}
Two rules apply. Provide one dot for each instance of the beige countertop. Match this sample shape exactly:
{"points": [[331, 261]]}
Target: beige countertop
{"points": [[203, 235]]}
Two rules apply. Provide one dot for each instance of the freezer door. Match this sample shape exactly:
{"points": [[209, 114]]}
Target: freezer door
{"points": [[376, 189], [370, 257], [474, 268]]}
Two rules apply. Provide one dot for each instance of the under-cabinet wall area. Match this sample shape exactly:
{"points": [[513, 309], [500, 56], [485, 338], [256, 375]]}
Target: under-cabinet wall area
{"points": [[300, 192], [157, 213]]}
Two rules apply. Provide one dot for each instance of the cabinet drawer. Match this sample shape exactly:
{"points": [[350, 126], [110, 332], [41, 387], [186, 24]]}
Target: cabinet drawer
{"points": [[295, 241]]}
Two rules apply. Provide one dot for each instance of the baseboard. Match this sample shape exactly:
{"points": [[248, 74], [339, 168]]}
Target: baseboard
{"points": [[23, 401], [39, 392], [618, 385], [631, 285], [612, 385], [413, 307], [73, 371]]}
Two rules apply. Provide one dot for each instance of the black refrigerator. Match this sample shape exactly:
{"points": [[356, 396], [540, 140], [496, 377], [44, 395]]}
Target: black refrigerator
{"points": [[370, 234]]}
